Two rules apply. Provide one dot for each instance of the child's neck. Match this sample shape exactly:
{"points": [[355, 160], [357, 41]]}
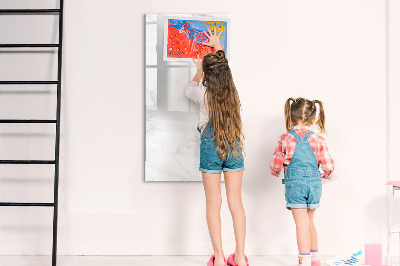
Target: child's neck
{"points": [[302, 125]]}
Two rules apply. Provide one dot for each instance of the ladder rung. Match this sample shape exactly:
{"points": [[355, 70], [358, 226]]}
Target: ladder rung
{"points": [[29, 82], [27, 161], [27, 121], [6, 11], [33, 204], [395, 231], [33, 45]]}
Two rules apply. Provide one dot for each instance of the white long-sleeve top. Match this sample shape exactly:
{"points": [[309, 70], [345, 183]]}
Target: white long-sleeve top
{"points": [[195, 92]]}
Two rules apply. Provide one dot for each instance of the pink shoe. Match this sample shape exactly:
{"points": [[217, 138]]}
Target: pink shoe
{"points": [[211, 261], [316, 263], [231, 260]]}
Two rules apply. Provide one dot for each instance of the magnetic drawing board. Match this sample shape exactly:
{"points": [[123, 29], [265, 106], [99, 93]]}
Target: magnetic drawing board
{"points": [[183, 37]]}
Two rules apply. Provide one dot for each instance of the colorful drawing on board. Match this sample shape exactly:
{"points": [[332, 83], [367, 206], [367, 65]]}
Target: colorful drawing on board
{"points": [[184, 38]]}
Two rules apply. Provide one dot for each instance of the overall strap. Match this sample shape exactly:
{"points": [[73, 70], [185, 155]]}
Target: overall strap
{"points": [[294, 133], [308, 134], [303, 164]]}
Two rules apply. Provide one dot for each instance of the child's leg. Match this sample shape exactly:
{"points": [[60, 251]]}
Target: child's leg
{"points": [[233, 184], [302, 221], [313, 230], [314, 239], [211, 183]]}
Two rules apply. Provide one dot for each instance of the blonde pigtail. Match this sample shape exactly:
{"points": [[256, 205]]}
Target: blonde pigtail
{"points": [[288, 114], [321, 116]]}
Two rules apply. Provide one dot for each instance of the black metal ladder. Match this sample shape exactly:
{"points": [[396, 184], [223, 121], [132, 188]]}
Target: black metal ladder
{"points": [[57, 82]]}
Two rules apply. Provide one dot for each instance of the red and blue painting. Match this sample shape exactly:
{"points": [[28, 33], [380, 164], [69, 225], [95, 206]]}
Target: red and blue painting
{"points": [[183, 37]]}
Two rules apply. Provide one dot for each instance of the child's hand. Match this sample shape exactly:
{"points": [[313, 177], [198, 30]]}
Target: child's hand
{"points": [[198, 64], [326, 180], [199, 73], [213, 39]]}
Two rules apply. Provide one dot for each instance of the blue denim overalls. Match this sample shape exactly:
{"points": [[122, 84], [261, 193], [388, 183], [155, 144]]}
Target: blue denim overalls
{"points": [[211, 162], [302, 181]]}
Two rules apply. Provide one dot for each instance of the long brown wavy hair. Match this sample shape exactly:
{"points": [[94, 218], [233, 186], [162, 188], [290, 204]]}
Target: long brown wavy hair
{"points": [[223, 104], [303, 110]]}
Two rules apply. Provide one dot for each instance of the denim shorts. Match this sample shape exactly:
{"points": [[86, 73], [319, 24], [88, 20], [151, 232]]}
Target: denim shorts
{"points": [[303, 193], [210, 160]]}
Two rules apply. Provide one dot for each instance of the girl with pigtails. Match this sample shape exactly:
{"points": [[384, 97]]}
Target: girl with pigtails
{"points": [[302, 154]]}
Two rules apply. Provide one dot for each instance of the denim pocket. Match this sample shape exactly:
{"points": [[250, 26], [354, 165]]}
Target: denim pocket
{"points": [[317, 190], [293, 190]]}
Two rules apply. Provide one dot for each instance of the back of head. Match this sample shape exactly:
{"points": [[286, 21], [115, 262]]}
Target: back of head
{"points": [[223, 103], [304, 111]]}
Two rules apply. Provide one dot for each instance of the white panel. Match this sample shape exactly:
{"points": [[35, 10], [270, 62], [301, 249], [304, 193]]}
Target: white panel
{"points": [[194, 107], [151, 44], [151, 88], [151, 17], [178, 81]]}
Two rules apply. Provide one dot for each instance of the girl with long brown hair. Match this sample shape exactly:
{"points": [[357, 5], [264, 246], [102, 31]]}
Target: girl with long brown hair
{"points": [[302, 153], [221, 147]]}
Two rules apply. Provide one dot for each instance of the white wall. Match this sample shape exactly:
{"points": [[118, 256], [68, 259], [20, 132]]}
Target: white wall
{"points": [[328, 50], [394, 109]]}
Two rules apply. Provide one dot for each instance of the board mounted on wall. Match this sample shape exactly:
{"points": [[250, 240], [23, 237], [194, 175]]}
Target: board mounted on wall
{"points": [[183, 37], [172, 139]]}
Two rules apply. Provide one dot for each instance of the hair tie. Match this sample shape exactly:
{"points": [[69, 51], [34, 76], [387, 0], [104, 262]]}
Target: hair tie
{"points": [[219, 64]]}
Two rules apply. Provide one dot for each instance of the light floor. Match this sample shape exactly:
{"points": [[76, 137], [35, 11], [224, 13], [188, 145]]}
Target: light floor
{"points": [[143, 260], [135, 260]]}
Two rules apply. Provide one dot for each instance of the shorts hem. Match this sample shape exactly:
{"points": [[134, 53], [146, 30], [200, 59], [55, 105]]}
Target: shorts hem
{"points": [[290, 206], [210, 171], [233, 170]]}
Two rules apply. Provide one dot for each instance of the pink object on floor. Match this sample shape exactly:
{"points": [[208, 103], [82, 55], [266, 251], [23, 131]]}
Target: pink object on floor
{"points": [[393, 183], [373, 254], [333, 178], [211, 261], [316, 263], [231, 260]]}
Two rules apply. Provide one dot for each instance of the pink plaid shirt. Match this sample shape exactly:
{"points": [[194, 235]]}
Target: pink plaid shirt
{"points": [[287, 144]]}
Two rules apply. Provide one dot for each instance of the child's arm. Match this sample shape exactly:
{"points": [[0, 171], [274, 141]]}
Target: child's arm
{"points": [[277, 159], [327, 163], [194, 91], [199, 73], [213, 39]]}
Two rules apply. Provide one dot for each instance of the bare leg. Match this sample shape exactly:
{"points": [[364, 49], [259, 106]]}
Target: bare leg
{"points": [[313, 230], [302, 221], [211, 183], [233, 184]]}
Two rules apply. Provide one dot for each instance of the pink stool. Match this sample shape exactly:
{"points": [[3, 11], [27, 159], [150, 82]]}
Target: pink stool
{"points": [[394, 185]]}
